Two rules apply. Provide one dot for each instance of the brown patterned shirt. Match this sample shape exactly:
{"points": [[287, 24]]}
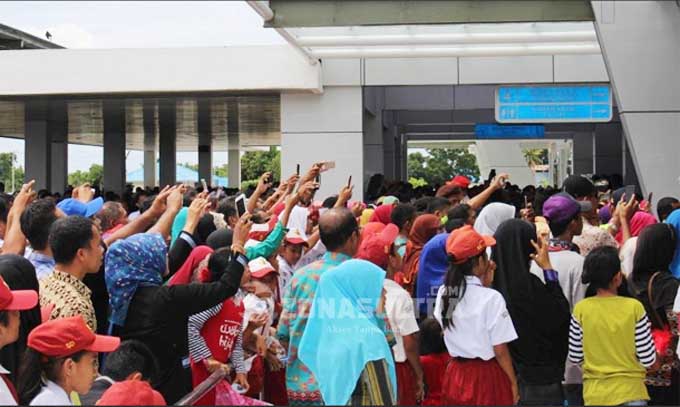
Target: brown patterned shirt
{"points": [[69, 296]]}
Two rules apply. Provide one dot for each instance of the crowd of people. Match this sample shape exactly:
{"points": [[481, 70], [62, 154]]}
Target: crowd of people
{"points": [[442, 295]]}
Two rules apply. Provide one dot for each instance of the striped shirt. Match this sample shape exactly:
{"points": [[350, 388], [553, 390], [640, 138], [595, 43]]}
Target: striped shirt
{"points": [[198, 349], [612, 337]]}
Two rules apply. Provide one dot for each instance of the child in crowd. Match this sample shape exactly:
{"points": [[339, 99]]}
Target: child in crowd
{"points": [[433, 359], [477, 326], [60, 358], [611, 336], [11, 302]]}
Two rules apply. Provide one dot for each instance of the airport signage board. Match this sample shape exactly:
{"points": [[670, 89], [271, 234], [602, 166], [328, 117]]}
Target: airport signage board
{"points": [[508, 131], [553, 104]]}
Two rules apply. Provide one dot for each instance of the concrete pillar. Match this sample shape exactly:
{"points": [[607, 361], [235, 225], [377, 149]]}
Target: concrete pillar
{"points": [[204, 141], [583, 153], [37, 145], [374, 103], [58, 130], [167, 126], [646, 86], [149, 112], [233, 145], [325, 127], [113, 113]]}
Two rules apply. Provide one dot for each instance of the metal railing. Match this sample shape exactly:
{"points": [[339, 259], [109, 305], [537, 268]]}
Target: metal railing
{"points": [[203, 388]]}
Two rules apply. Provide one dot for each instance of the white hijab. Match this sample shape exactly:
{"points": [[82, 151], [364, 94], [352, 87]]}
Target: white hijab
{"points": [[491, 217]]}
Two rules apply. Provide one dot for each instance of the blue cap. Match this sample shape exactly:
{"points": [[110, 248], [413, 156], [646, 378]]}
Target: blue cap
{"points": [[72, 206]]}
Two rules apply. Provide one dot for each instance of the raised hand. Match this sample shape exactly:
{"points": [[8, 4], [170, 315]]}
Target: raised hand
{"points": [[541, 256]]}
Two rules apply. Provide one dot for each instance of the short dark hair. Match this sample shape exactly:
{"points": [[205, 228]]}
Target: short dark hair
{"points": [[600, 267], [460, 211], [665, 206], [330, 202], [401, 214], [36, 221], [557, 228], [4, 209], [336, 226], [421, 204], [431, 339], [226, 207], [68, 235], [131, 356], [437, 204]]}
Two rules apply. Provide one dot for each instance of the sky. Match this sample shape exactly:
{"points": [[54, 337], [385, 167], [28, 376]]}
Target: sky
{"points": [[135, 24]]}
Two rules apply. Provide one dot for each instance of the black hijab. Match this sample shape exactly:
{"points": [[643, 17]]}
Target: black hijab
{"points": [[654, 252], [512, 257], [206, 225], [220, 238], [19, 274]]}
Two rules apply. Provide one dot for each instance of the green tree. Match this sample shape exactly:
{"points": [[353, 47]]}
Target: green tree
{"points": [[93, 176], [442, 164], [255, 163], [221, 171], [535, 156], [8, 170], [190, 166]]}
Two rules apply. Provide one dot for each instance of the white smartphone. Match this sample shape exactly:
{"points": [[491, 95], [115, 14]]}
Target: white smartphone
{"points": [[205, 184], [240, 203]]}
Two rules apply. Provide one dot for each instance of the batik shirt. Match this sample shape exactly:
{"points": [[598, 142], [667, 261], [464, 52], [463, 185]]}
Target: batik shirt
{"points": [[300, 382]]}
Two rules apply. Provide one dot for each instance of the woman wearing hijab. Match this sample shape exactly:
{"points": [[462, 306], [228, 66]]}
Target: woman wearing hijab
{"points": [[220, 238], [382, 214], [655, 248], [143, 308], [195, 268], [539, 312], [491, 217], [344, 343], [19, 274], [638, 222], [424, 229], [434, 262]]}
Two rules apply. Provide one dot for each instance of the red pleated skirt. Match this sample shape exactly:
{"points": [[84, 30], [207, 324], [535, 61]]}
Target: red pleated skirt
{"points": [[475, 382], [406, 384]]}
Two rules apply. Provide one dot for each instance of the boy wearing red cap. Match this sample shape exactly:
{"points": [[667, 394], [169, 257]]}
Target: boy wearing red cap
{"points": [[476, 325], [11, 302], [60, 358], [380, 249]]}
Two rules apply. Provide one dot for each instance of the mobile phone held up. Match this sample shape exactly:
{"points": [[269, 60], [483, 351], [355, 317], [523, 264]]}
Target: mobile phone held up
{"points": [[204, 184], [240, 203]]}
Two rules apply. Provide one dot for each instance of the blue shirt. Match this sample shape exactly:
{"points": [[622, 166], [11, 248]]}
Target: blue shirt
{"points": [[44, 265]]}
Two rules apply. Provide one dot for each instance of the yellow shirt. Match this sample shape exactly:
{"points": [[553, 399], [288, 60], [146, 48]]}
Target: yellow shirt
{"points": [[613, 373]]}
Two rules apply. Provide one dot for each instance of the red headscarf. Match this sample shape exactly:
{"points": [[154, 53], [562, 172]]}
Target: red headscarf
{"points": [[639, 221], [382, 214], [194, 268], [424, 228]]}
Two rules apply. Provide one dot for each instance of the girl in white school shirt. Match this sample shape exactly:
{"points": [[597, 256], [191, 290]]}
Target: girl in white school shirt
{"points": [[476, 325]]}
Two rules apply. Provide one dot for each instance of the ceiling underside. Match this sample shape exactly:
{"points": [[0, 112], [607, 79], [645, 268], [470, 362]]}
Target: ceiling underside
{"points": [[258, 121]]}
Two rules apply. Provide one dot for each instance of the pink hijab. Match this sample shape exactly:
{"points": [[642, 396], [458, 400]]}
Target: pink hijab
{"points": [[382, 214], [638, 222]]}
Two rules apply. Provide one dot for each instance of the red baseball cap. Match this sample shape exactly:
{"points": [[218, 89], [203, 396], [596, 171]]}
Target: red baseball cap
{"points": [[131, 393], [461, 180], [260, 267], [16, 300], [465, 242], [376, 248], [66, 336], [295, 237]]}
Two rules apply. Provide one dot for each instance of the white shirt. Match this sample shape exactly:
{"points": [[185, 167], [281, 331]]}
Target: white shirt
{"points": [[402, 317], [6, 398], [480, 322], [626, 255], [569, 267], [286, 271], [51, 395]]}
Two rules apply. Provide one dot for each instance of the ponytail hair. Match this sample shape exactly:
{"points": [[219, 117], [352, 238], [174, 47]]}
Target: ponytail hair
{"points": [[34, 367], [455, 286]]}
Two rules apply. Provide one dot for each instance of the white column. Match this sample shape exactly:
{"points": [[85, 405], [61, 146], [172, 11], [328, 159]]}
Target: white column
{"points": [[325, 127], [639, 41], [37, 144], [113, 113], [149, 113], [204, 141], [58, 129], [167, 127], [233, 145]]}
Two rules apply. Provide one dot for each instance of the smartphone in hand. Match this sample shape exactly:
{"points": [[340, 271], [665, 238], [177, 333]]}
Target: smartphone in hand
{"points": [[240, 203]]}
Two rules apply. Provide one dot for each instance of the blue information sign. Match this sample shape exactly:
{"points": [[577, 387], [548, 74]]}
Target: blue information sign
{"points": [[509, 131], [553, 104]]}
